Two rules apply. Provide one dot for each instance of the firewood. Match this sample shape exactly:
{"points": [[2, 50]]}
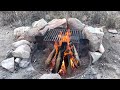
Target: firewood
{"points": [[69, 68], [58, 62], [76, 55], [51, 55]]}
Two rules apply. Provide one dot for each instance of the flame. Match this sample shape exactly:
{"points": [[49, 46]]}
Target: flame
{"points": [[73, 62], [62, 71]]}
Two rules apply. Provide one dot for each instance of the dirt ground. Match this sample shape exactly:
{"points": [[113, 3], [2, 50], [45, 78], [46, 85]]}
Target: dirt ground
{"points": [[107, 67]]}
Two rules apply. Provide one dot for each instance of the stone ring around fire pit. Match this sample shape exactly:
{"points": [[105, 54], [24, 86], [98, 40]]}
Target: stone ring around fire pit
{"points": [[35, 43]]}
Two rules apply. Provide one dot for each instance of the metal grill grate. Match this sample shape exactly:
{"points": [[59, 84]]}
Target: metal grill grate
{"points": [[52, 35]]}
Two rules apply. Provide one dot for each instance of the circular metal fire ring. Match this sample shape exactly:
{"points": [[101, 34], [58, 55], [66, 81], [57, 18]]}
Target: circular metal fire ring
{"points": [[38, 61]]}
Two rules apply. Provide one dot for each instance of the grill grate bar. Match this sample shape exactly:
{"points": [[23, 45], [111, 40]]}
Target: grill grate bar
{"points": [[52, 35]]}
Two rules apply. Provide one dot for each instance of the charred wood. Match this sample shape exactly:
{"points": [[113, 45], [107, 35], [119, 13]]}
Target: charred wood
{"points": [[50, 57]]}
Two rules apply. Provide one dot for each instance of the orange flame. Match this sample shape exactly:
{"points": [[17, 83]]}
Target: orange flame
{"points": [[65, 38]]}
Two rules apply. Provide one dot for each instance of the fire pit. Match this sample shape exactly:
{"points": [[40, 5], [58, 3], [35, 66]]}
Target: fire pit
{"points": [[62, 47], [67, 53]]}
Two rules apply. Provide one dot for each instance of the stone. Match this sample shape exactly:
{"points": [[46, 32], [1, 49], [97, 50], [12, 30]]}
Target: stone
{"points": [[101, 49], [50, 76], [33, 31], [40, 23], [21, 31], [74, 23], [24, 63], [9, 54], [42, 32], [95, 36], [117, 21], [84, 18], [8, 64], [95, 56], [113, 31], [56, 23], [19, 43], [27, 37], [17, 60], [22, 51], [47, 17]]}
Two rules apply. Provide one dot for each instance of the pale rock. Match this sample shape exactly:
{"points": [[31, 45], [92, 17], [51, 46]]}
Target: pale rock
{"points": [[50, 76], [42, 32], [33, 31], [22, 51], [21, 31], [101, 49], [47, 17], [84, 18], [9, 54], [56, 23], [17, 60], [27, 37], [19, 43], [74, 23], [8, 64], [95, 56], [113, 31], [40, 23], [95, 36], [98, 76], [24, 63]]}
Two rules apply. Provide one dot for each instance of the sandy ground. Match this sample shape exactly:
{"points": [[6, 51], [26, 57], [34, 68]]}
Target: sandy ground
{"points": [[6, 39], [107, 67]]}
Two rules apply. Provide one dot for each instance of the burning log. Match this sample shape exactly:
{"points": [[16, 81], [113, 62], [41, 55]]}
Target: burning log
{"points": [[69, 69], [50, 57], [57, 64], [66, 58], [59, 57], [76, 55]]}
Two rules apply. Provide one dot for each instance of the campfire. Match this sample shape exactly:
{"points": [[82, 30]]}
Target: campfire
{"points": [[64, 58]]}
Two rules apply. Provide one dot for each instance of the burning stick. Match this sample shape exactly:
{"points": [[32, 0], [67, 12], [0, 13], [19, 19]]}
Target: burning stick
{"points": [[76, 55], [51, 55], [57, 64], [69, 69], [66, 58]]}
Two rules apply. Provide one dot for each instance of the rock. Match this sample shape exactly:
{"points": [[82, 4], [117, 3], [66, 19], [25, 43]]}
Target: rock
{"points": [[21, 31], [9, 54], [101, 49], [50, 76], [17, 60], [56, 23], [42, 32], [84, 18], [33, 31], [113, 31], [24, 63], [40, 23], [8, 64], [21, 42], [74, 23], [27, 37], [95, 56], [117, 22], [47, 17], [95, 36], [22, 51]]}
